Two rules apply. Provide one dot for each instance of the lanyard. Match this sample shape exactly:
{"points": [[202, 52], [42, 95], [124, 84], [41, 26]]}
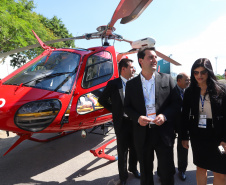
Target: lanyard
{"points": [[202, 101], [147, 91]]}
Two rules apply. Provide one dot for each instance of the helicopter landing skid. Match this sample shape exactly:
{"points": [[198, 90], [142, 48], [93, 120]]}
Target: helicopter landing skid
{"points": [[102, 127], [98, 151], [29, 137]]}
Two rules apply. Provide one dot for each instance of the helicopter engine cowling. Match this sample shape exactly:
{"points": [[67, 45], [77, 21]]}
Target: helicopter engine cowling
{"points": [[146, 42]]}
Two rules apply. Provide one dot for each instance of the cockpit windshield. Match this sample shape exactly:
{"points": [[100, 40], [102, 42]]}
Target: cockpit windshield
{"points": [[54, 72]]}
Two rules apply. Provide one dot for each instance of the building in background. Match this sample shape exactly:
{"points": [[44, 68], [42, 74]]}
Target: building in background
{"points": [[5, 68], [168, 68]]}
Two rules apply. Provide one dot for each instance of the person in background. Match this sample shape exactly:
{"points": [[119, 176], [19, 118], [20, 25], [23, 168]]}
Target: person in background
{"points": [[225, 74], [152, 104], [112, 99], [204, 121], [183, 81]]}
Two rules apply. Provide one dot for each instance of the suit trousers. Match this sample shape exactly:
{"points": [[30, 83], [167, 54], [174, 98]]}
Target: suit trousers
{"points": [[182, 156], [125, 144], [164, 153]]}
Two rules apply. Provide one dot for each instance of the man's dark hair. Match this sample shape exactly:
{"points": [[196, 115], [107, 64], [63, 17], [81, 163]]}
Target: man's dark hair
{"points": [[179, 76], [123, 63], [141, 53]]}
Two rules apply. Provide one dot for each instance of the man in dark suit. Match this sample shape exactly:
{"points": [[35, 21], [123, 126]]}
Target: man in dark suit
{"points": [[183, 81], [152, 103], [112, 99]]}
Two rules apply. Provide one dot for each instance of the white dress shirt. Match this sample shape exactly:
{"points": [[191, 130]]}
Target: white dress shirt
{"points": [[149, 92]]}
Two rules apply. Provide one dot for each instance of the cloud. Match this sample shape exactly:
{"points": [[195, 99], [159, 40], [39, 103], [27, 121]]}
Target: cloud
{"points": [[211, 44]]}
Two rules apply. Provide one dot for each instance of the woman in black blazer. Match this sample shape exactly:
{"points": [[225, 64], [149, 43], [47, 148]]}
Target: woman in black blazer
{"points": [[204, 122]]}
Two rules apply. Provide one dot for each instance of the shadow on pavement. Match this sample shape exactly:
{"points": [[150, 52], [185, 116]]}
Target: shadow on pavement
{"points": [[30, 159]]}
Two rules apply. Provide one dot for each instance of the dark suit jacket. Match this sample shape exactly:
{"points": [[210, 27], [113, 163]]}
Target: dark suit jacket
{"points": [[177, 120], [166, 102], [112, 99], [190, 115]]}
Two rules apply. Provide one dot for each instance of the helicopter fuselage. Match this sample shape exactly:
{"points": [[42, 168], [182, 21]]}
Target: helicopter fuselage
{"points": [[57, 91]]}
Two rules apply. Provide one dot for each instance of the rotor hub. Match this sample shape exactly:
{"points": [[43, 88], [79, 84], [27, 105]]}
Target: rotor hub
{"points": [[104, 27]]}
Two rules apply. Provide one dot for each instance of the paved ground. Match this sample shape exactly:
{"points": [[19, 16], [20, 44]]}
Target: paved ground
{"points": [[66, 161]]}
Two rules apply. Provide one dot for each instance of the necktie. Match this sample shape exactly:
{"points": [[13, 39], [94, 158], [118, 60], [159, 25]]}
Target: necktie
{"points": [[182, 94], [124, 84]]}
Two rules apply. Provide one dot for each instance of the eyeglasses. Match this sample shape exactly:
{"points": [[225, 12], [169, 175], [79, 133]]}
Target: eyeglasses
{"points": [[201, 72]]}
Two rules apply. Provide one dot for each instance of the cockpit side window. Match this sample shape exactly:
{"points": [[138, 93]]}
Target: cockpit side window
{"points": [[89, 102], [99, 69]]}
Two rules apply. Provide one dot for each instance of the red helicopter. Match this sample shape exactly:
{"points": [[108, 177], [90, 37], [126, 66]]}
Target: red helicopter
{"points": [[57, 92]]}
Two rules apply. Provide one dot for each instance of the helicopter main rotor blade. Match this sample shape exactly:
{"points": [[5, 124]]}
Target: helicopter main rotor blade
{"points": [[168, 59], [137, 11], [37, 45], [126, 7], [120, 55]]}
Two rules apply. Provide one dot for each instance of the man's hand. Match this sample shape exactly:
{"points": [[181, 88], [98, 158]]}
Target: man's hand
{"points": [[143, 120], [159, 120], [185, 144]]}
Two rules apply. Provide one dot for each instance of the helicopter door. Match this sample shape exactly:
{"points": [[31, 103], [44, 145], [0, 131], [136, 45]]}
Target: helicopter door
{"points": [[96, 72]]}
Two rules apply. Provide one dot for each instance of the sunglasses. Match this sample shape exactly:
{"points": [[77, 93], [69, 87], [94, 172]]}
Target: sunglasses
{"points": [[201, 72]]}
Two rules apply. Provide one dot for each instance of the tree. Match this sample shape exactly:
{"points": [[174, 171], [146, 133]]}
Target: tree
{"points": [[220, 77], [16, 22], [59, 30]]}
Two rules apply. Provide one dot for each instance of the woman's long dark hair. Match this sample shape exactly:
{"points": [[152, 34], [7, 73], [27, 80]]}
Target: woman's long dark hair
{"points": [[213, 86]]}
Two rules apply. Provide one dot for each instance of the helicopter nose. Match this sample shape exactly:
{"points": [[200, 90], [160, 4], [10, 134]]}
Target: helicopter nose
{"points": [[37, 115]]}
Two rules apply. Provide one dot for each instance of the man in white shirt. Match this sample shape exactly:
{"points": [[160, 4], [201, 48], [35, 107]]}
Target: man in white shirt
{"points": [[151, 103]]}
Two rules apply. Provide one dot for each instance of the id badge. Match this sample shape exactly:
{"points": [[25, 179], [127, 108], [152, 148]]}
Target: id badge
{"points": [[151, 113], [202, 121]]}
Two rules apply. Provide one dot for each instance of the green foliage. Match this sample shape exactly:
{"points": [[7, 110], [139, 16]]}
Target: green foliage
{"points": [[219, 77], [16, 22], [58, 29]]}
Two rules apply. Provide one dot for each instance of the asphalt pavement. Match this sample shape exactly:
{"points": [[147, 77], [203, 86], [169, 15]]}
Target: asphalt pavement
{"points": [[68, 161]]}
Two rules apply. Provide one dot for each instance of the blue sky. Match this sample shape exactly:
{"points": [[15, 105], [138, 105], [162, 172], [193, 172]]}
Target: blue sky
{"points": [[187, 29]]}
